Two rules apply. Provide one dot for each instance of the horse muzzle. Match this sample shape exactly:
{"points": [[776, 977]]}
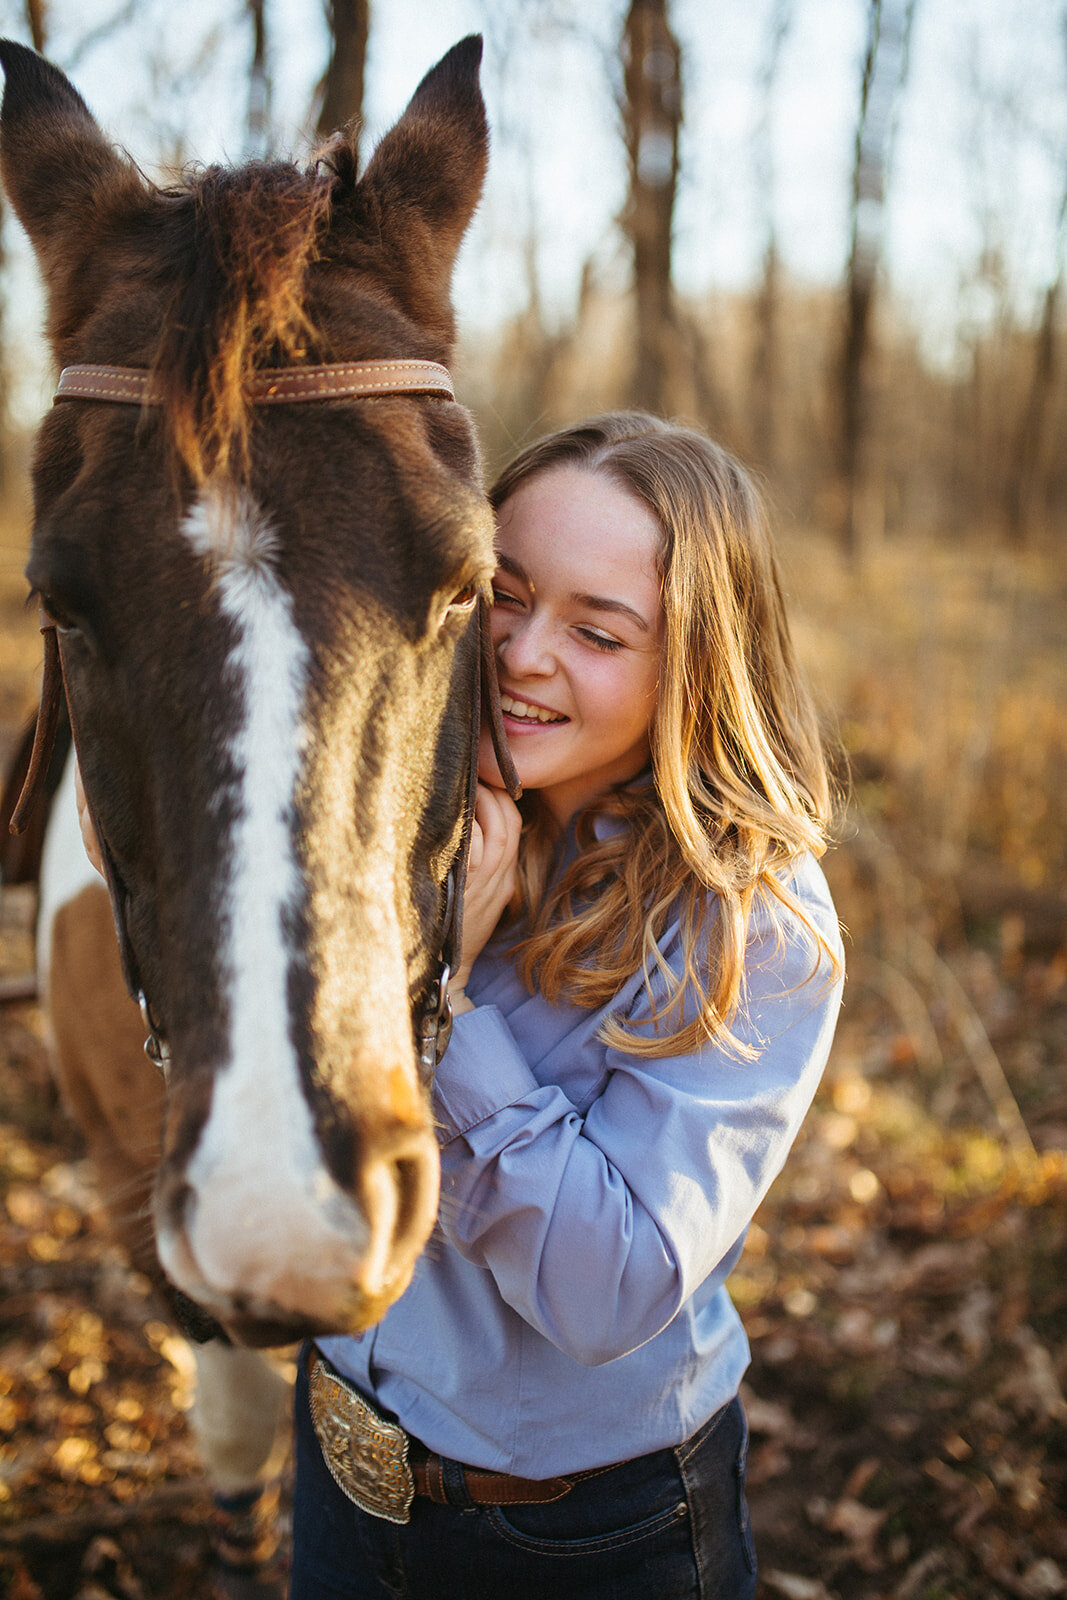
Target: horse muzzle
{"points": [[275, 1253]]}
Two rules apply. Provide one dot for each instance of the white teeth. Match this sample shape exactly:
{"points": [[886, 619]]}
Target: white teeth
{"points": [[519, 708]]}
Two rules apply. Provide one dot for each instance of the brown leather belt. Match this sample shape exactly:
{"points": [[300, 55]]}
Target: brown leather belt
{"points": [[381, 1468]]}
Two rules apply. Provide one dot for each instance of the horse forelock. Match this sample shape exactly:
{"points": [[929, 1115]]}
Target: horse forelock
{"points": [[239, 245]]}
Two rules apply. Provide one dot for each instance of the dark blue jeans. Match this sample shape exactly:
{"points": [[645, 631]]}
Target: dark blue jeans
{"points": [[668, 1526]]}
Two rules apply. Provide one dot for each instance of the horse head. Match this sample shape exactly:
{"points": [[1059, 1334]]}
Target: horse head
{"points": [[268, 623]]}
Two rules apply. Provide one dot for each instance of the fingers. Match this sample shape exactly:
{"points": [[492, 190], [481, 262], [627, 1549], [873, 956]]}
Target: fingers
{"points": [[490, 871], [498, 820], [494, 853]]}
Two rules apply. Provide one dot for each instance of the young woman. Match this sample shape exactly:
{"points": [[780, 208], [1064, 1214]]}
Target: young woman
{"points": [[650, 983]]}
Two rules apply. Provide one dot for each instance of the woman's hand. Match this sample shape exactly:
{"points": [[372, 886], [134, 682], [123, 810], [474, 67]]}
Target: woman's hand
{"points": [[89, 838], [490, 879]]}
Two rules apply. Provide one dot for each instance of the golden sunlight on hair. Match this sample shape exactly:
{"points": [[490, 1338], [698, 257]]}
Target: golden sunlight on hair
{"points": [[740, 788]]}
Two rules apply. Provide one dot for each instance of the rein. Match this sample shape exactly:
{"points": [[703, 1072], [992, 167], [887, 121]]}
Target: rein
{"points": [[279, 386]]}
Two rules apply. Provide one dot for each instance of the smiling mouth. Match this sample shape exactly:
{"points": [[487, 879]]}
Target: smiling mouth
{"points": [[523, 712]]}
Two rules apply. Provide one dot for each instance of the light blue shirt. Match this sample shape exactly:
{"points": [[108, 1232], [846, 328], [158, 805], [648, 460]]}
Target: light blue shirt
{"points": [[570, 1309]]}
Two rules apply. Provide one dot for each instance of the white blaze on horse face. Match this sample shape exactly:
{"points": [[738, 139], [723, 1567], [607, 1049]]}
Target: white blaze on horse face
{"points": [[265, 1220]]}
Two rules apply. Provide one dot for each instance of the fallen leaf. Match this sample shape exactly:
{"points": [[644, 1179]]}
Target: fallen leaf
{"points": [[794, 1587]]}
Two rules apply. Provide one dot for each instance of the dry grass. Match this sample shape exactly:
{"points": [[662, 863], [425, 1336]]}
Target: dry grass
{"points": [[942, 669]]}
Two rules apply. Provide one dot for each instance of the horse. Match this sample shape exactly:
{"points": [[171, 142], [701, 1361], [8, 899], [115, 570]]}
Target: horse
{"points": [[263, 552]]}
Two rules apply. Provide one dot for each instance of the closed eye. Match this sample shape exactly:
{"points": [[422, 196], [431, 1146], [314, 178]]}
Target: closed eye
{"points": [[601, 641]]}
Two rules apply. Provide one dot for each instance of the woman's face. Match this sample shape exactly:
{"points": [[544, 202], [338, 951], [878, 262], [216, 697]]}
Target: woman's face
{"points": [[577, 627]]}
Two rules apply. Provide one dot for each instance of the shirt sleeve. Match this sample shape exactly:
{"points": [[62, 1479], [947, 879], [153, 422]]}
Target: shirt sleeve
{"points": [[598, 1227]]}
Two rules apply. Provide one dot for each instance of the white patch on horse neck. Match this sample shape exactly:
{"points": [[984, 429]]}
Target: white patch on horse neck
{"points": [[65, 868], [257, 1174]]}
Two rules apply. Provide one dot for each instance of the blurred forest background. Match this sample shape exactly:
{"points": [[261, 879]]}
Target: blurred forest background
{"points": [[834, 233]]}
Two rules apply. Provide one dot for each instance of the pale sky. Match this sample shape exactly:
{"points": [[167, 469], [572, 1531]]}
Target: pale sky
{"points": [[557, 162]]}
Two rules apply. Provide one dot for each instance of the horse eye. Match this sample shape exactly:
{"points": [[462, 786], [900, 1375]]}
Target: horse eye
{"points": [[55, 613]]}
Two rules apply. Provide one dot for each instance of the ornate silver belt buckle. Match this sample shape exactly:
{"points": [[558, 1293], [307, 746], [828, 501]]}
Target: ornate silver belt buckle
{"points": [[367, 1456]]}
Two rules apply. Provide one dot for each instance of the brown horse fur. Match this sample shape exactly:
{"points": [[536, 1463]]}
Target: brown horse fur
{"points": [[363, 523]]}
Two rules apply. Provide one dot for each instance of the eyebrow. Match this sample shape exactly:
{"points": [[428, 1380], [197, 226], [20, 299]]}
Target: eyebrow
{"points": [[592, 602]]}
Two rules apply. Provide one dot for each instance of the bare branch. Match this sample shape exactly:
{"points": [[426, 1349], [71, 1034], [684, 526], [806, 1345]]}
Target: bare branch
{"points": [[36, 17], [342, 85], [885, 69], [88, 42], [259, 86], [652, 120]]}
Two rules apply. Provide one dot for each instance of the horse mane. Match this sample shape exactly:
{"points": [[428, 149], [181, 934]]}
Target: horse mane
{"points": [[240, 243]]}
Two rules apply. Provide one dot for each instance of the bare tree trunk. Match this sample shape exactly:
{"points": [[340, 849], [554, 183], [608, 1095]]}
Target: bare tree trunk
{"points": [[1025, 488], [342, 86], [5, 387], [885, 69], [37, 18], [652, 120], [765, 349], [259, 86]]}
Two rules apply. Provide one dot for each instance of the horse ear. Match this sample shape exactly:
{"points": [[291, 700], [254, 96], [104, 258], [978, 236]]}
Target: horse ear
{"points": [[424, 180], [60, 173]]}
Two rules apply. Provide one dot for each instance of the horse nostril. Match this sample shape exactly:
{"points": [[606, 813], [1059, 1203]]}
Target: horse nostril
{"points": [[409, 1187], [401, 1207]]}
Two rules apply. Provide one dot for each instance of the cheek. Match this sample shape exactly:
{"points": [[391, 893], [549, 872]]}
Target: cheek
{"points": [[648, 690], [623, 698], [643, 704]]}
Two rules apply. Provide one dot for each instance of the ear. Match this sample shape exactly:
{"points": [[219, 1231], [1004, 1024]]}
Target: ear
{"points": [[64, 180], [423, 182]]}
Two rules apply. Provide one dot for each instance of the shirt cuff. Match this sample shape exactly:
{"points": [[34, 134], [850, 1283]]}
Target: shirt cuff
{"points": [[482, 1072]]}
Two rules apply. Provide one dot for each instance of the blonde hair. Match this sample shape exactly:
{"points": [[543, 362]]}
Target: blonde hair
{"points": [[740, 787]]}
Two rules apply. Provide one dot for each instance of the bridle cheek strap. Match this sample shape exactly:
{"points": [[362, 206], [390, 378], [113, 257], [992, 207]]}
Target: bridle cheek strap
{"points": [[53, 694], [494, 711], [435, 1025], [44, 732]]}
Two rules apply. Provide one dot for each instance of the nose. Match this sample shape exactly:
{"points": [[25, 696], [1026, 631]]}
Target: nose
{"points": [[292, 1246], [524, 648]]}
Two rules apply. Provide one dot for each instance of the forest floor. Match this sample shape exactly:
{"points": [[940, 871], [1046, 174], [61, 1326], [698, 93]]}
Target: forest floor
{"points": [[905, 1282], [903, 1287]]}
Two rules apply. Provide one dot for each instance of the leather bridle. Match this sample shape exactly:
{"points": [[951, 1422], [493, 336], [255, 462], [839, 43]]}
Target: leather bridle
{"points": [[279, 386], [268, 386]]}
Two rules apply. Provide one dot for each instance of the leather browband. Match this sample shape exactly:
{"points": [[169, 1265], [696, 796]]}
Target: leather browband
{"points": [[268, 386]]}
